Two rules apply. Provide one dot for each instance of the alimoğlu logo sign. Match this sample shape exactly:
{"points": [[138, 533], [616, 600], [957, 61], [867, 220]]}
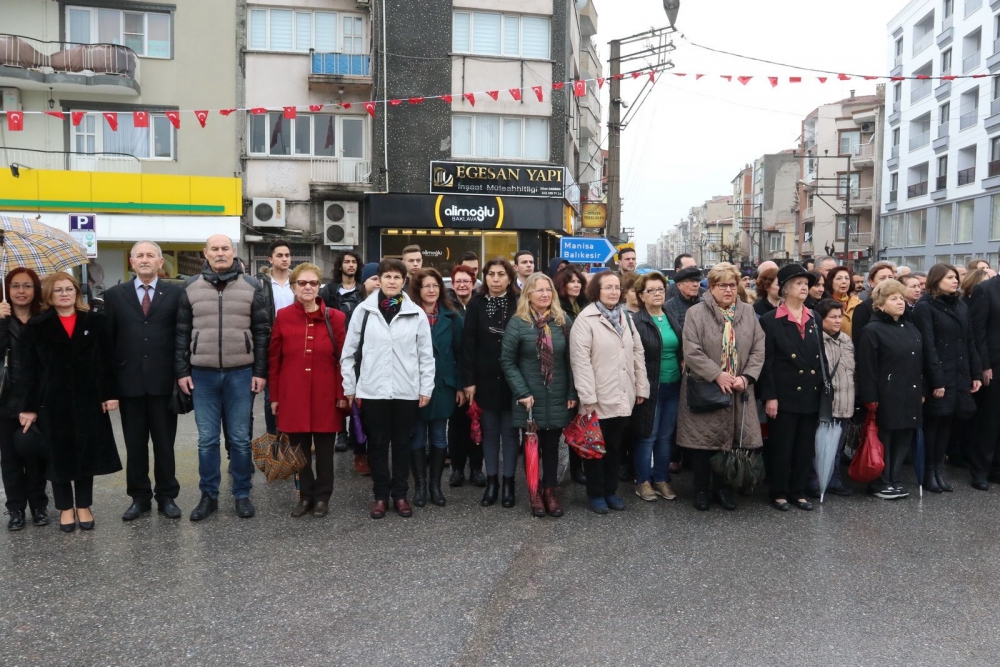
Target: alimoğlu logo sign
{"points": [[475, 212], [476, 178]]}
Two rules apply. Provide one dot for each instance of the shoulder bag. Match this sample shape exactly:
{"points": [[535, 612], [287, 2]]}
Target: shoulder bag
{"points": [[361, 346], [826, 396], [705, 396]]}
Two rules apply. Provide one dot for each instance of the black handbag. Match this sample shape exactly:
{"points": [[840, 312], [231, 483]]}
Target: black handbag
{"points": [[180, 403], [704, 396], [826, 395]]}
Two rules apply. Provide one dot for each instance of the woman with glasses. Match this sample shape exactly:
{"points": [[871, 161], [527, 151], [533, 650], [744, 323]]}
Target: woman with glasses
{"points": [[427, 291], [306, 341], [609, 370], [461, 448], [69, 387], [724, 345], [463, 281]]}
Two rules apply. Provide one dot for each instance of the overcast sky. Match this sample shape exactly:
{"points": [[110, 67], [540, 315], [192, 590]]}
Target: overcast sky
{"points": [[691, 138]]}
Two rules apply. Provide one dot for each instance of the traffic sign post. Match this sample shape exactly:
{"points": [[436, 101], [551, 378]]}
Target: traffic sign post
{"points": [[580, 250], [83, 229]]}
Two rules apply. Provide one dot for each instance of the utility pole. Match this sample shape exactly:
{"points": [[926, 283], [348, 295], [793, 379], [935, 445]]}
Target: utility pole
{"points": [[847, 214], [615, 145]]}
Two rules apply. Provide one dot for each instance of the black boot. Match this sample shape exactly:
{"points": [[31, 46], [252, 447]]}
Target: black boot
{"points": [[576, 468], [507, 495], [418, 464], [939, 477], [930, 479], [437, 469], [492, 490], [457, 477]]}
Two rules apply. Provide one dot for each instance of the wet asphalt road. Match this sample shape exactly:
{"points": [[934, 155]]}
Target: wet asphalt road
{"points": [[858, 582]]}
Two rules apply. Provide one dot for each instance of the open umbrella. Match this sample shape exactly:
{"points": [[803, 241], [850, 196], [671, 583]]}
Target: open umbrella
{"points": [[36, 246], [531, 453], [827, 444], [918, 459]]}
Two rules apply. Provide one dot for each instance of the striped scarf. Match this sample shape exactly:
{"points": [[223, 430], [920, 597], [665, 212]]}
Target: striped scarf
{"points": [[730, 358], [389, 306], [543, 346]]}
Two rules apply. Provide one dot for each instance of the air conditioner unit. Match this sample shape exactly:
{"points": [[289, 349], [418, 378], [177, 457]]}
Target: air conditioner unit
{"points": [[10, 99], [340, 223], [268, 212], [867, 127]]}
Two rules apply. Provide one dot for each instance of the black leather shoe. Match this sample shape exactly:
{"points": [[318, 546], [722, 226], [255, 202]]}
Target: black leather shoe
{"points": [[67, 527], [930, 481], [321, 509], [576, 470], [244, 508], [457, 478], [782, 506], [40, 517], [492, 491], [135, 510], [701, 501], [804, 505], [939, 477], [725, 498], [507, 492], [16, 521], [839, 490], [304, 507], [980, 484], [206, 506], [169, 509], [85, 525], [478, 478], [341, 444]]}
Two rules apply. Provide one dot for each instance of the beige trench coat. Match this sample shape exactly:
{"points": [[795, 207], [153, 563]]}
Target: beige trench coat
{"points": [[720, 430], [609, 370]]}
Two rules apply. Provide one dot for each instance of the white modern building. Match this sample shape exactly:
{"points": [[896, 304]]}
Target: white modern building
{"points": [[941, 176]]}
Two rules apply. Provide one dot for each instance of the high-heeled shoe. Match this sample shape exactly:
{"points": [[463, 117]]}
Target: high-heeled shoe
{"points": [[87, 525], [67, 527]]}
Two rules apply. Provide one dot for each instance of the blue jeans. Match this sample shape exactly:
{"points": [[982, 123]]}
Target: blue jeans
{"points": [[654, 451], [436, 429], [213, 391]]}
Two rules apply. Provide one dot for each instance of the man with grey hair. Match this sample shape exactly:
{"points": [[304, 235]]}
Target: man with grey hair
{"points": [[826, 264], [142, 318], [223, 328]]}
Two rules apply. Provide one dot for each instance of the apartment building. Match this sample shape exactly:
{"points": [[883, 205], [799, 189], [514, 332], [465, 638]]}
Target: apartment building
{"points": [[942, 176], [744, 211], [775, 189], [117, 70], [839, 193]]}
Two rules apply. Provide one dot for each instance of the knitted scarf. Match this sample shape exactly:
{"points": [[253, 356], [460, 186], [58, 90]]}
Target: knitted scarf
{"points": [[614, 315], [389, 306], [730, 358], [432, 316], [543, 345]]}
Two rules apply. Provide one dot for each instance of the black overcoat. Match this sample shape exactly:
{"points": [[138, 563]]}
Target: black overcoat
{"points": [[482, 346], [792, 373], [890, 371], [951, 359]]}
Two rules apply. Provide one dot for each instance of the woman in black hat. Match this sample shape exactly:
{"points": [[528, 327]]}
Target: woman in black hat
{"points": [[790, 387]]}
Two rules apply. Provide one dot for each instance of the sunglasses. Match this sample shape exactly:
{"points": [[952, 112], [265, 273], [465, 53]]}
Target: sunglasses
{"points": [[310, 283]]}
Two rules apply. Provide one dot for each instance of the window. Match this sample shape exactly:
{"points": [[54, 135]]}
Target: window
{"points": [[942, 259], [946, 62], [966, 210], [776, 241], [155, 142], [893, 228], [495, 136], [945, 113], [849, 141], [842, 223], [942, 166], [506, 35], [945, 226], [288, 30], [994, 149], [894, 181], [916, 227], [949, 8], [995, 88], [899, 48], [146, 33], [895, 137], [308, 135], [994, 221], [897, 92], [842, 185]]}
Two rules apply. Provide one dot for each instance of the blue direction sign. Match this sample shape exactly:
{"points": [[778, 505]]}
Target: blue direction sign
{"points": [[583, 249]]}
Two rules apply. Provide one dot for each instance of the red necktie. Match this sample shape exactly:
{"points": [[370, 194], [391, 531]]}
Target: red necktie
{"points": [[146, 301]]}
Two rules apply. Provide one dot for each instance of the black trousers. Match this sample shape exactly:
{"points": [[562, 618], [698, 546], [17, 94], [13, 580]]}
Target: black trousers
{"points": [[23, 479], [548, 455], [789, 452], [78, 493], [316, 487], [460, 445], [896, 445], [627, 458], [704, 478], [389, 423], [146, 418], [937, 434], [983, 459], [602, 473]]}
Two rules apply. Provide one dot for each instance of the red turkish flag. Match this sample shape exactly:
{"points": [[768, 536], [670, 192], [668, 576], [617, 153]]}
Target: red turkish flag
{"points": [[773, 80], [258, 111], [471, 97], [56, 114], [289, 113], [515, 93], [226, 112], [600, 82], [979, 76], [843, 77], [727, 77], [370, 108], [870, 78], [202, 116], [679, 74], [744, 79], [174, 117], [636, 75], [538, 92], [618, 77], [795, 79], [950, 77], [416, 100], [447, 99], [395, 103], [896, 78], [822, 79], [923, 76], [558, 85], [346, 105], [15, 121], [652, 75], [495, 94], [698, 76], [579, 88], [140, 118], [112, 119], [315, 107], [77, 117]]}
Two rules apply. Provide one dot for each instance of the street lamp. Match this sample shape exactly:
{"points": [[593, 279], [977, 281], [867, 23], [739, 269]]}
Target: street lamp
{"points": [[671, 7]]}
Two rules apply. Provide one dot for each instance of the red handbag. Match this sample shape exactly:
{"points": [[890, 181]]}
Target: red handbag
{"points": [[869, 460], [584, 435]]}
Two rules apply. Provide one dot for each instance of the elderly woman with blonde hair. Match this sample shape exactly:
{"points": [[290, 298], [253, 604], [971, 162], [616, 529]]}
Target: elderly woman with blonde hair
{"points": [[723, 353]]}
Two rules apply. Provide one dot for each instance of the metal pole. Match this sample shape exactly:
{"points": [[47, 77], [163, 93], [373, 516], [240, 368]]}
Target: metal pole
{"points": [[614, 146], [847, 214]]}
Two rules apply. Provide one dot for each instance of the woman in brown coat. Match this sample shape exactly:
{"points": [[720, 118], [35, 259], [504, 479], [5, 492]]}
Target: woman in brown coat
{"points": [[734, 369]]}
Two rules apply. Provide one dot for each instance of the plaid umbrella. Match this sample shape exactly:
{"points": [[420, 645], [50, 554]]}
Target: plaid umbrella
{"points": [[34, 245]]}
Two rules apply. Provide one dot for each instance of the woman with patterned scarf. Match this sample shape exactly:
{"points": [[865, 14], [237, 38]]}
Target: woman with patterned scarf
{"points": [[535, 361], [609, 369]]}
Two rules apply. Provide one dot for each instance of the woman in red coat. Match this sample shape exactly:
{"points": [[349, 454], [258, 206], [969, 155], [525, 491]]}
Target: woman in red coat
{"points": [[306, 388]]}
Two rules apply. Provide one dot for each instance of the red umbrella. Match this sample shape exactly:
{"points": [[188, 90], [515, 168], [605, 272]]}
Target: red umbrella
{"points": [[531, 454], [475, 413]]}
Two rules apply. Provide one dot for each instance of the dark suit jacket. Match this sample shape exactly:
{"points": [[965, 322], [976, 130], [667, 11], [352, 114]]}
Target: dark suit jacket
{"points": [[984, 310], [143, 345]]}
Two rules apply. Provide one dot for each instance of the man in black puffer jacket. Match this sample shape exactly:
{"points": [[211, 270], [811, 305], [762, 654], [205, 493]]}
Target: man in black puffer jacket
{"points": [[222, 340]]}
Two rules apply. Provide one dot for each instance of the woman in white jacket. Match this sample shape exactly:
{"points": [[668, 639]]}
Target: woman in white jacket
{"points": [[391, 376]]}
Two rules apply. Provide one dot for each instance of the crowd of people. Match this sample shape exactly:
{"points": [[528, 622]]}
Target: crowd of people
{"points": [[416, 376]]}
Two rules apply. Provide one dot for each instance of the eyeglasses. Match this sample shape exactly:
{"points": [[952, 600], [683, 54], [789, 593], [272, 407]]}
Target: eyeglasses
{"points": [[20, 286], [63, 290], [655, 290], [310, 283], [461, 282], [726, 287]]}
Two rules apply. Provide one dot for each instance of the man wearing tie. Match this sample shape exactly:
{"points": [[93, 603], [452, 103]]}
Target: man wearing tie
{"points": [[142, 316]]}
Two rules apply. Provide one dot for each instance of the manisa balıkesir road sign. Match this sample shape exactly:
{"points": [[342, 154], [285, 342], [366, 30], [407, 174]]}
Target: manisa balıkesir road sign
{"points": [[596, 250]]}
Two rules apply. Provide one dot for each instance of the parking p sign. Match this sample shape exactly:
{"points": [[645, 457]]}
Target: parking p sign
{"points": [[83, 229]]}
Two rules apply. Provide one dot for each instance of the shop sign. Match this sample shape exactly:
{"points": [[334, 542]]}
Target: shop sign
{"points": [[83, 229], [478, 212], [478, 178], [595, 216]]}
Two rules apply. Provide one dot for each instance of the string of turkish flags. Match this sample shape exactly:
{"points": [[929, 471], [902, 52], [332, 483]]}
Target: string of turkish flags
{"points": [[15, 119]]}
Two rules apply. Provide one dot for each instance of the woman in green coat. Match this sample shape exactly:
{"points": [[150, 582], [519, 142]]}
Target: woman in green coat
{"points": [[427, 291], [535, 361]]}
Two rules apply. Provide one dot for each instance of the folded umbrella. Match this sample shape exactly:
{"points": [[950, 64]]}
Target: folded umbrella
{"points": [[531, 453], [475, 416], [359, 431], [918, 459], [827, 444]]}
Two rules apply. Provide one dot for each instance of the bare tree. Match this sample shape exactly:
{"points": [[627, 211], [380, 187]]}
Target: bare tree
{"points": [[730, 250]]}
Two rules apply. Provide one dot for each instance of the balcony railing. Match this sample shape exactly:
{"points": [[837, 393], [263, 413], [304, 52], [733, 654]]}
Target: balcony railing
{"points": [[941, 183], [993, 168], [971, 6], [338, 170], [966, 176], [921, 89], [971, 62], [923, 42], [863, 152], [893, 196], [862, 239], [916, 190], [942, 130], [894, 153], [341, 64], [809, 213], [68, 57], [968, 119], [118, 163], [862, 195], [920, 140], [947, 22], [995, 107]]}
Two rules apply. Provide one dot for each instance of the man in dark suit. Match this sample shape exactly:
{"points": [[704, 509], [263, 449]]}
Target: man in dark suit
{"points": [[984, 309], [142, 317]]}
